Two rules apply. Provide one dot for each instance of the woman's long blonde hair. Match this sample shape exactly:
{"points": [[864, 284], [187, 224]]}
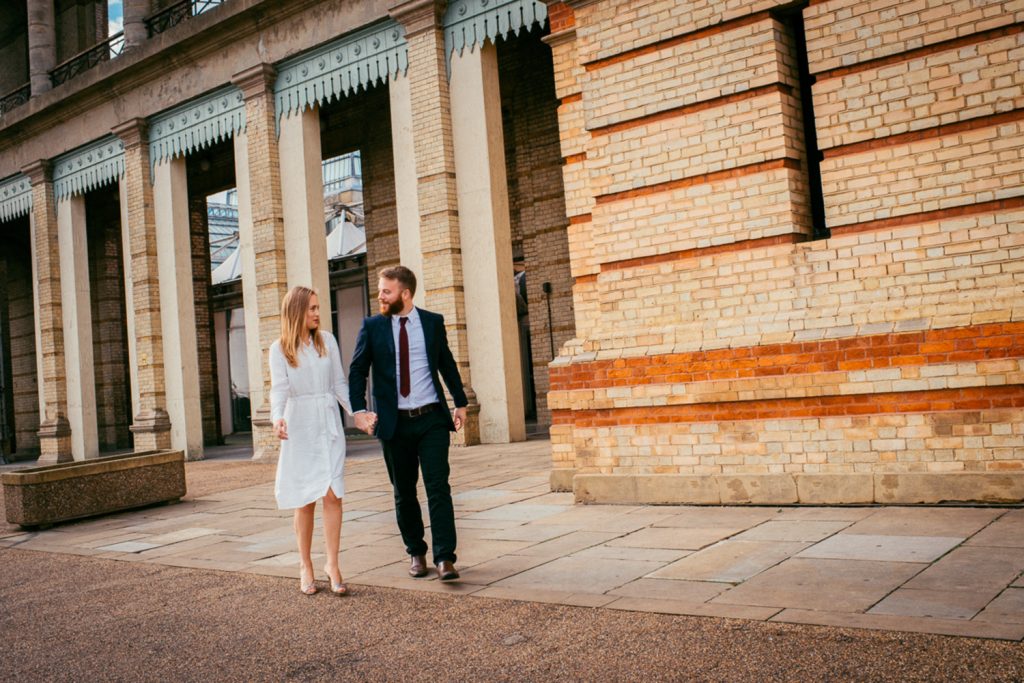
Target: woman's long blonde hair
{"points": [[293, 325]]}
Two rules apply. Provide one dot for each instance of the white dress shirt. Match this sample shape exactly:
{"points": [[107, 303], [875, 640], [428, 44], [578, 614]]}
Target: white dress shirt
{"points": [[421, 384]]}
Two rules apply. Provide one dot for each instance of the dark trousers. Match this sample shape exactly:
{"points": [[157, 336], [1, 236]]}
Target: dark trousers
{"points": [[422, 443]]}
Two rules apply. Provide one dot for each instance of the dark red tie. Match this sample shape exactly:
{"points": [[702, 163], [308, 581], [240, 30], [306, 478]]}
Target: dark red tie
{"points": [[403, 358]]}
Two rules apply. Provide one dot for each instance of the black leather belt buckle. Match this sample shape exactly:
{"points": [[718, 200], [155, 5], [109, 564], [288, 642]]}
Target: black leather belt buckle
{"points": [[416, 412]]}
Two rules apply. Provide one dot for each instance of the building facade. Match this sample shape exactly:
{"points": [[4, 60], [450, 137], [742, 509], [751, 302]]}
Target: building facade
{"points": [[729, 252]]}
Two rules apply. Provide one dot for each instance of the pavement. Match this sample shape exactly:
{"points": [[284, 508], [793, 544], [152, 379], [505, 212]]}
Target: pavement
{"points": [[933, 570]]}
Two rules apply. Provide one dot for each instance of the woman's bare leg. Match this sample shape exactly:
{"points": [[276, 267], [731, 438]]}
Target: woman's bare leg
{"points": [[304, 537], [332, 534]]}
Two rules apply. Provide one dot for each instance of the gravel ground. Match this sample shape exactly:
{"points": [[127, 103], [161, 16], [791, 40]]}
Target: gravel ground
{"points": [[65, 617], [79, 618]]}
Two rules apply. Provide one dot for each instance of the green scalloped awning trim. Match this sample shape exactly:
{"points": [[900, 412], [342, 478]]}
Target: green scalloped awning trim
{"points": [[355, 61], [468, 23], [86, 168], [214, 117], [15, 197]]}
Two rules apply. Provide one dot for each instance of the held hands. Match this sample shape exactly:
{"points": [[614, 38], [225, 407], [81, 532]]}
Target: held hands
{"points": [[281, 429], [366, 421], [459, 417]]}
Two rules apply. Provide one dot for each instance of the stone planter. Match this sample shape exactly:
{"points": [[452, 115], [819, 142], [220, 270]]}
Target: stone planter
{"points": [[41, 496]]}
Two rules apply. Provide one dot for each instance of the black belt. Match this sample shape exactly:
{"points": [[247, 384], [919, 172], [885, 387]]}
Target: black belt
{"points": [[416, 412]]}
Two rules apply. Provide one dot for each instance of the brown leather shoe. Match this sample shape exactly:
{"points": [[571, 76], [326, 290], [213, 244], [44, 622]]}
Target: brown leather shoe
{"points": [[418, 566], [446, 570]]}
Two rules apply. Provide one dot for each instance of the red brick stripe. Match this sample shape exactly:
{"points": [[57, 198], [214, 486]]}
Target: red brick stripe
{"points": [[586, 279], [740, 245], [925, 133], [581, 218], [980, 398], [701, 179], [687, 109], [929, 216], [574, 158], [943, 46], [574, 97], [666, 43], [949, 345]]}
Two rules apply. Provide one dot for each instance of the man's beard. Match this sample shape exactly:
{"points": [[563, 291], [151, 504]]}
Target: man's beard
{"points": [[393, 308]]}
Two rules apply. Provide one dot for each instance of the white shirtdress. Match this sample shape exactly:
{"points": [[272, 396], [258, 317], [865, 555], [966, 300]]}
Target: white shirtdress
{"points": [[307, 397]]}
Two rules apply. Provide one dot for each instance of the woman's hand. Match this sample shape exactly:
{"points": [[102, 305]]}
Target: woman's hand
{"points": [[281, 429]]}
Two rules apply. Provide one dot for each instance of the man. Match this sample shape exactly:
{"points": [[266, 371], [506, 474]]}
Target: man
{"points": [[407, 347]]}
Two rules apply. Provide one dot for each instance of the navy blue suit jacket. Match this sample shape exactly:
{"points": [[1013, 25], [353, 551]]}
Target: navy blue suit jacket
{"points": [[375, 350]]}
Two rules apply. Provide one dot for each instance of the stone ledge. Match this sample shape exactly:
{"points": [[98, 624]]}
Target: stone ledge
{"points": [[41, 496], [788, 489]]}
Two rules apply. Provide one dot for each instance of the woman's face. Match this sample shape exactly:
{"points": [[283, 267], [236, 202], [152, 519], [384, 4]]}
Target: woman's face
{"points": [[313, 313]]}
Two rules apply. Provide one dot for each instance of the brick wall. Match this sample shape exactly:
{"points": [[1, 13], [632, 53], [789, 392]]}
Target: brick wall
{"points": [[719, 339], [110, 350], [536, 199], [19, 344], [207, 353]]}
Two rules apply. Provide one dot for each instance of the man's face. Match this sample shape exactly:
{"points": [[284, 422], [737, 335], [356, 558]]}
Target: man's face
{"points": [[389, 296]]}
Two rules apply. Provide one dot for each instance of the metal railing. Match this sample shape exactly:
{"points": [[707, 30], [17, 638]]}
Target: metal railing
{"points": [[177, 13], [101, 52], [15, 98]]}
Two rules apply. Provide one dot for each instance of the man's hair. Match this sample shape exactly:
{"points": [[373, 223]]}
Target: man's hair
{"points": [[402, 275]]}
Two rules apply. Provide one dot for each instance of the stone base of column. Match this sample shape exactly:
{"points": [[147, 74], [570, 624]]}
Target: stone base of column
{"points": [[54, 441], [469, 435], [152, 431], [266, 447]]}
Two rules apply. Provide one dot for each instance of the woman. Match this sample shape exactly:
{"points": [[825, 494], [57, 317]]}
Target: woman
{"points": [[307, 384]]}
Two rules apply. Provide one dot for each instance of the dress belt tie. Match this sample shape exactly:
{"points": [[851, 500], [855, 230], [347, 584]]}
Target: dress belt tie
{"points": [[323, 407]]}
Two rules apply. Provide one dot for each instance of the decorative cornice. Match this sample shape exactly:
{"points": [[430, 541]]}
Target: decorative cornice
{"points": [[418, 16], [86, 168], [355, 61], [38, 171], [468, 23], [15, 197], [214, 117], [556, 39]]}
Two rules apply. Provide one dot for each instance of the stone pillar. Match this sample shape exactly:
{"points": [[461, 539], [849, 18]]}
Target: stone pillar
{"points": [[77, 317], [54, 429], [437, 196], [480, 174], [151, 425], [42, 44], [135, 13], [403, 148], [302, 206], [177, 307], [261, 245]]}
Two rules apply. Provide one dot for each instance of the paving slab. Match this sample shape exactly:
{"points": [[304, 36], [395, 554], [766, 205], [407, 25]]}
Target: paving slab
{"points": [[662, 606], [825, 514], [884, 622], [609, 552], [795, 530], [547, 596], [185, 534], [1007, 608], [580, 575], [730, 561], [972, 568], [941, 604], [538, 533], [718, 517], [499, 568], [678, 538], [851, 546], [906, 521], [827, 585], [667, 589], [518, 512], [568, 544], [1005, 532]]}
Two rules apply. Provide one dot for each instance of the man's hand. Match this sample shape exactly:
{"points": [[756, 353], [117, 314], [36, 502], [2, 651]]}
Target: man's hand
{"points": [[366, 421], [281, 430], [459, 416]]}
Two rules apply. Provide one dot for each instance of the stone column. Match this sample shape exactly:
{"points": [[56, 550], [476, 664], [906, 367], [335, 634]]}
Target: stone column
{"points": [[42, 44], [177, 307], [302, 206], [492, 328], [73, 247], [261, 245], [403, 147], [135, 13], [54, 430], [437, 196], [151, 425]]}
